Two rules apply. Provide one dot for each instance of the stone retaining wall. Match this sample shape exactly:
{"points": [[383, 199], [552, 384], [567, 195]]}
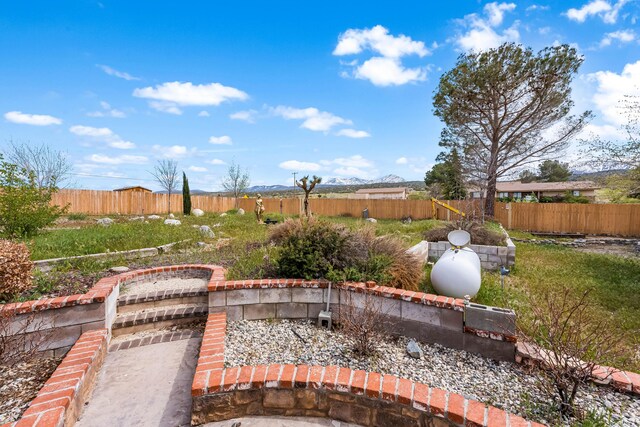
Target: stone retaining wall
{"points": [[491, 257], [55, 324], [62, 397], [355, 396], [487, 331]]}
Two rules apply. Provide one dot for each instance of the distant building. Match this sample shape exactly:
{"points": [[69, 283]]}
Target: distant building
{"points": [[382, 193], [519, 190], [135, 189]]}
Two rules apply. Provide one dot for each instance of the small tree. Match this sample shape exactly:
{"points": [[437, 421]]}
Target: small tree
{"points": [[553, 171], [507, 107], [51, 168], [24, 205], [308, 186], [572, 337], [186, 195], [447, 176], [166, 173], [528, 176], [236, 181]]}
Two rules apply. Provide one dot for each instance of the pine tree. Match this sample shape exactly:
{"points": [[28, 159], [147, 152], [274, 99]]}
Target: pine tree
{"points": [[186, 195]]}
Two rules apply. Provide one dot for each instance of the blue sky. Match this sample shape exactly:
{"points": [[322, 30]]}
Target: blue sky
{"points": [[337, 89]]}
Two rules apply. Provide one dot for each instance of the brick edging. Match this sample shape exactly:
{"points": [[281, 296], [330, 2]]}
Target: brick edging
{"points": [[371, 288], [62, 397], [348, 387], [103, 288]]}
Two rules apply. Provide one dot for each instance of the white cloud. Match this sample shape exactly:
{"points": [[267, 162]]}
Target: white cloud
{"points": [[300, 166], [117, 160], [378, 39], [221, 140], [103, 135], [612, 88], [388, 72], [387, 68], [248, 116], [107, 111], [600, 8], [172, 152], [116, 73], [169, 96], [353, 133], [482, 34], [356, 161], [216, 162], [203, 113], [535, 7], [402, 161], [312, 118], [197, 169], [622, 36], [31, 119]]}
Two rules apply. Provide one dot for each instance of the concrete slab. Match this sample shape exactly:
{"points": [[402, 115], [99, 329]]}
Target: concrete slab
{"points": [[144, 386], [280, 422]]}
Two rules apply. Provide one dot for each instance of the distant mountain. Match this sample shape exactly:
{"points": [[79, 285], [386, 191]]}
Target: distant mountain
{"points": [[387, 179], [268, 188]]}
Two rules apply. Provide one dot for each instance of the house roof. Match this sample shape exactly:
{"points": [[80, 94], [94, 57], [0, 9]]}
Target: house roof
{"points": [[381, 190], [523, 187], [132, 188]]}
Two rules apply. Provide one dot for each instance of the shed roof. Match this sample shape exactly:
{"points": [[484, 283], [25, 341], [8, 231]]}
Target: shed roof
{"points": [[382, 190], [517, 186], [133, 188]]}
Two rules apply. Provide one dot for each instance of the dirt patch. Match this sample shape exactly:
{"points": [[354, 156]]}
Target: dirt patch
{"points": [[20, 383], [627, 251]]}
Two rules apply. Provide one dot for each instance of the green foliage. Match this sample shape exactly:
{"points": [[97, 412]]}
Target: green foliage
{"points": [[186, 195], [77, 217], [527, 176], [447, 177], [24, 205], [553, 171]]}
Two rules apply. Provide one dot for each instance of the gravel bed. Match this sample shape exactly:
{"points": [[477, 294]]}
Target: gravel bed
{"points": [[163, 285], [20, 383], [503, 384]]}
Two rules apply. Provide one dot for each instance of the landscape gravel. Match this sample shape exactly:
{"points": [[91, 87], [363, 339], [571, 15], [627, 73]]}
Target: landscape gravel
{"points": [[162, 285], [503, 384]]}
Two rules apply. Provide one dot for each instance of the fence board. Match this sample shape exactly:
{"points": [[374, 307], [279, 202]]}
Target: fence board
{"points": [[605, 219]]}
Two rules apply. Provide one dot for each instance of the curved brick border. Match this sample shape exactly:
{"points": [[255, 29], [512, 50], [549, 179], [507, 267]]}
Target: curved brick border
{"points": [[104, 287], [356, 396], [61, 398]]}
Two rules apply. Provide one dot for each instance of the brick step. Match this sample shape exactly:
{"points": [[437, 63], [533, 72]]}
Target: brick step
{"points": [[135, 302], [134, 340], [157, 318]]}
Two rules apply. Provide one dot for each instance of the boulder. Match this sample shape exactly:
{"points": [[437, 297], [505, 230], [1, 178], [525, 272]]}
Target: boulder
{"points": [[414, 350], [137, 218], [240, 211], [172, 216], [197, 212], [205, 231], [119, 269], [223, 214], [154, 217], [172, 222], [371, 220], [105, 222]]}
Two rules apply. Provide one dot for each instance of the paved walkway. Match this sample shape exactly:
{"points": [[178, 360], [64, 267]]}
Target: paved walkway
{"points": [[279, 422], [144, 386]]}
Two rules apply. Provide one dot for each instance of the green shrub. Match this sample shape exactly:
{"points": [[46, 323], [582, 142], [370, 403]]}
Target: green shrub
{"points": [[24, 206]]}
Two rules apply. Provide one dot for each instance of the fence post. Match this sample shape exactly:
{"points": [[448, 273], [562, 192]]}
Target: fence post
{"points": [[509, 215]]}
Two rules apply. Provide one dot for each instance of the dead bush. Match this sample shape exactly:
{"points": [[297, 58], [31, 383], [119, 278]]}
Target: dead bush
{"points": [[20, 336], [361, 322], [479, 233], [15, 269], [572, 338]]}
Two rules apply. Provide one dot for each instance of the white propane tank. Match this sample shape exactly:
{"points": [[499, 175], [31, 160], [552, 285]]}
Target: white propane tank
{"points": [[457, 272]]}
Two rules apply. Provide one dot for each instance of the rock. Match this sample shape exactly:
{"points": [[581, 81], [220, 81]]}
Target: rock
{"points": [[371, 220], [137, 218], [240, 211], [105, 222], [172, 222], [153, 217], [220, 225], [197, 212], [172, 216], [223, 214], [414, 350], [201, 244], [206, 231], [195, 226], [119, 269]]}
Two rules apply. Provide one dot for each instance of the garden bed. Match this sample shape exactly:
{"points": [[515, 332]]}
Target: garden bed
{"points": [[502, 384], [20, 383]]}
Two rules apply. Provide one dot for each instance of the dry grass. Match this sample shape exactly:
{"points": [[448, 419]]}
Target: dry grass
{"points": [[480, 235]]}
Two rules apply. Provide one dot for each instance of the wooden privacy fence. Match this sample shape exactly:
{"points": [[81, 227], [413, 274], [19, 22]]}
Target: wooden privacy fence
{"points": [[606, 219]]}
